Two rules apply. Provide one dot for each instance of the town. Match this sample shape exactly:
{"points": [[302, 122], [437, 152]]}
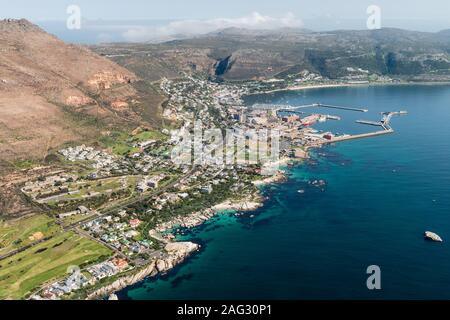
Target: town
{"points": [[132, 197]]}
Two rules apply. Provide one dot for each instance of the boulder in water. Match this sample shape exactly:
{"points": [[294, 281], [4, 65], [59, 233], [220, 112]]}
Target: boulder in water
{"points": [[432, 236], [113, 296]]}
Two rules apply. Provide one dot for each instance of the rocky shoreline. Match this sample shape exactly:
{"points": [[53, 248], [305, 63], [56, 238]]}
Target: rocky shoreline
{"points": [[177, 252], [276, 178], [197, 218]]}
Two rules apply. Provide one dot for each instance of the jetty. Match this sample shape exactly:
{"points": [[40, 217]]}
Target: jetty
{"points": [[351, 137], [287, 107], [386, 119], [320, 105], [331, 117], [384, 124], [372, 123]]}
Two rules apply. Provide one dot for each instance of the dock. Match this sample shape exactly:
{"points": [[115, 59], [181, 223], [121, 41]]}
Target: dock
{"points": [[371, 123], [331, 117], [320, 105], [384, 124], [385, 121], [289, 111], [352, 137], [314, 105], [387, 116]]}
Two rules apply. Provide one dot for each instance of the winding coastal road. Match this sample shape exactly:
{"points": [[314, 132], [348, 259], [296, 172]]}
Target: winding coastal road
{"points": [[107, 211]]}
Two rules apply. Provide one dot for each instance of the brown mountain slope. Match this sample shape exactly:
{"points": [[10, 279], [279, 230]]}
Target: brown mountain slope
{"points": [[52, 92]]}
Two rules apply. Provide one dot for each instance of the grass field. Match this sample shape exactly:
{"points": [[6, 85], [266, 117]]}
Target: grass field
{"points": [[121, 143], [19, 233], [92, 188], [149, 135], [25, 272], [76, 218]]}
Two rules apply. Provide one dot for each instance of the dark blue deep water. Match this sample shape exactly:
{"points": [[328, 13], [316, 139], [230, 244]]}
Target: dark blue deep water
{"points": [[381, 194]]}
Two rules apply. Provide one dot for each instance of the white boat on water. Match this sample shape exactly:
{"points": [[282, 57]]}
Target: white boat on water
{"points": [[432, 236]]}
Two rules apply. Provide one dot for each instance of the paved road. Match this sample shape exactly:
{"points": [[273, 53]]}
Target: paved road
{"points": [[107, 211], [131, 201]]}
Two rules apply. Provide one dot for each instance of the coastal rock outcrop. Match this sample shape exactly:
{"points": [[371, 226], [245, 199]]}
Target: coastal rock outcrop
{"points": [[181, 249], [123, 282], [432, 236], [197, 218], [176, 253]]}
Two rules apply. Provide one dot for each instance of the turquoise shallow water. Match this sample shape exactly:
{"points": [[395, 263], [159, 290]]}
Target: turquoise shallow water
{"points": [[381, 194]]}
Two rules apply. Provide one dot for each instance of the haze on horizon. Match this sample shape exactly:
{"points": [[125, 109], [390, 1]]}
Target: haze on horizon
{"points": [[140, 20]]}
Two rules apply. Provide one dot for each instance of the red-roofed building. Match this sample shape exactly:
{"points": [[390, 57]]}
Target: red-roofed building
{"points": [[134, 223], [120, 263]]}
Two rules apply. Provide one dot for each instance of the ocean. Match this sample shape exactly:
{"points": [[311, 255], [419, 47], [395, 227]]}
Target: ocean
{"points": [[380, 195]]}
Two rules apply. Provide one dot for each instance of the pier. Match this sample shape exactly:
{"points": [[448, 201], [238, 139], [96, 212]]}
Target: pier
{"points": [[384, 123], [351, 137], [372, 123], [360, 136], [289, 111], [387, 116], [341, 108], [314, 105], [280, 107], [331, 117]]}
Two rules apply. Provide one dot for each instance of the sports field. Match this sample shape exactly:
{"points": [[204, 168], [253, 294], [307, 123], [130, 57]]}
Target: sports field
{"points": [[18, 233]]}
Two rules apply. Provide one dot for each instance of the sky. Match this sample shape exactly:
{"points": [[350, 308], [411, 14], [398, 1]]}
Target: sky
{"points": [[144, 20]]}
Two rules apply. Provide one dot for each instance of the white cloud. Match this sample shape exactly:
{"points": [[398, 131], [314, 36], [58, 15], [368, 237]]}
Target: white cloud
{"points": [[196, 27]]}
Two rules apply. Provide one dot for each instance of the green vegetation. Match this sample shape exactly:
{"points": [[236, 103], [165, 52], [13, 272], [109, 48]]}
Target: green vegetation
{"points": [[91, 193], [118, 142], [121, 143], [19, 233], [195, 202], [24, 164], [149, 135], [25, 272], [75, 219], [92, 202]]}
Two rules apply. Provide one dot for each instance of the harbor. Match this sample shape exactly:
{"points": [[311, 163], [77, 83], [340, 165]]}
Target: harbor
{"points": [[296, 115]]}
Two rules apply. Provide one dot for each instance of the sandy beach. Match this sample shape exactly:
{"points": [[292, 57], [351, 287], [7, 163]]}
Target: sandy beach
{"points": [[339, 85]]}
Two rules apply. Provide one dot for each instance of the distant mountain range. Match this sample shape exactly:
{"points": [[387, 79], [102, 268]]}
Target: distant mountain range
{"points": [[238, 54], [52, 92]]}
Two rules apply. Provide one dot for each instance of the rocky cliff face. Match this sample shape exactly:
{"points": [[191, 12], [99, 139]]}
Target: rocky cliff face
{"points": [[222, 66]]}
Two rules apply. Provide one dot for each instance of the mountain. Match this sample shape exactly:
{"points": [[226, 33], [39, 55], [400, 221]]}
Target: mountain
{"points": [[240, 54], [52, 92]]}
